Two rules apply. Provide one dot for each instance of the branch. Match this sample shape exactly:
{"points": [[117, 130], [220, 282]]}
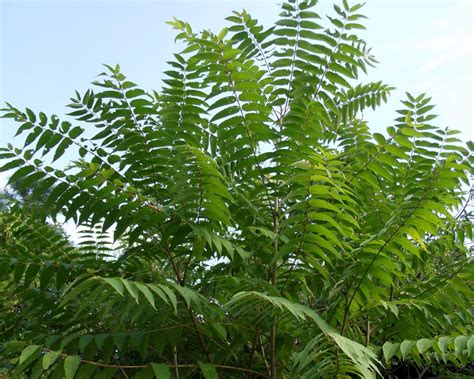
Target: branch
{"points": [[224, 367], [387, 241], [440, 283]]}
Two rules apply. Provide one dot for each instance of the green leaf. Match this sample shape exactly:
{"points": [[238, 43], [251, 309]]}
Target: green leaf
{"points": [[389, 350], [107, 373], [110, 94], [161, 370], [75, 132], [423, 345], [171, 296], [71, 364], [352, 25], [61, 149], [147, 293], [28, 352], [120, 340], [31, 115], [49, 358], [30, 274], [86, 371], [12, 164], [222, 34], [116, 283], [443, 343], [131, 288], [208, 370], [405, 348], [356, 7], [460, 344], [21, 173], [470, 346], [84, 341]]}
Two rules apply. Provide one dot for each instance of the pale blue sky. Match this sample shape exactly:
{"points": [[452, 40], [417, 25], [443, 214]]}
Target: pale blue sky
{"points": [[51, 48]]}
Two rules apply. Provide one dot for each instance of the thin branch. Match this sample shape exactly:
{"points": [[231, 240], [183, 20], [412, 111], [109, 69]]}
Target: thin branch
{"points": [[387, 241], [145, 140], [440, 283], [303, 234], [252, 144], [293, 61], [262, 349], [423, 372], [253, 348], [175, 360]]}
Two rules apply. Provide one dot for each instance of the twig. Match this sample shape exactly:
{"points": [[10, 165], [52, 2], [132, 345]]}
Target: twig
{"points": [[175, 359], [423, 372], [252, 349], [262, 349]]}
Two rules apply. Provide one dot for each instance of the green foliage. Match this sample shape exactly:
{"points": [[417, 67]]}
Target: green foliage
{"points": [[242, 222]]}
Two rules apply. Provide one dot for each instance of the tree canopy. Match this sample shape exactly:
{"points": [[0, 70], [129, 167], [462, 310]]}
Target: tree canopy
{"points": [[241, 222]]}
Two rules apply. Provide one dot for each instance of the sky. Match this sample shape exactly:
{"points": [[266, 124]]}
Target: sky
{"points": [[50, 48]]}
